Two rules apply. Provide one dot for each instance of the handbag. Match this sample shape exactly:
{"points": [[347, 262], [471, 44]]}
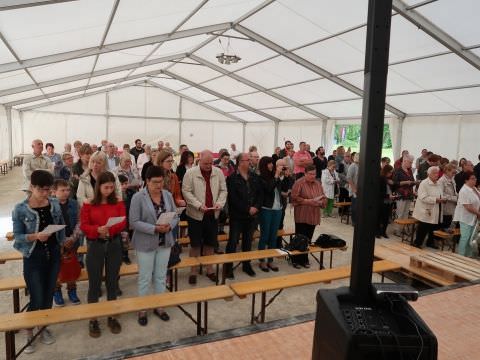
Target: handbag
{"points": [[69, 266], [175, 252]]}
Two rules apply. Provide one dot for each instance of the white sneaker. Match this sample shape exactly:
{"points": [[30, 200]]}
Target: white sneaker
{"points": [[30, 349], [46, 337]]}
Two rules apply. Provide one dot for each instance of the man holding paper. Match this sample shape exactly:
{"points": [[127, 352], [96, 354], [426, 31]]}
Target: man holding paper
{"points": [[205, 192]]}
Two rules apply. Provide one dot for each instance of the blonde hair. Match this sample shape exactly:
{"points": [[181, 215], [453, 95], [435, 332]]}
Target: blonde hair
{"points": [[65, 155], [124, 157], [99, 156], [161, 157]]}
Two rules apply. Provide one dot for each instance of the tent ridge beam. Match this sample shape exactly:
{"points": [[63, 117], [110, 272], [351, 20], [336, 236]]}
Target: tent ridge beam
{"points": [[436, 33], [122, 45], [19, 4], [164, 88], [107, 71], [257, 86], [220, 96], [308, 65]]}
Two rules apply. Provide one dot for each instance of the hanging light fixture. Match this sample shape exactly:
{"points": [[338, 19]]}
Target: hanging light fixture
{"points": [[227, 57]]}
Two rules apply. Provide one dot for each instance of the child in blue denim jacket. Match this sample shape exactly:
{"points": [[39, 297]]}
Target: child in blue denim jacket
{"points": [[41, 251]]}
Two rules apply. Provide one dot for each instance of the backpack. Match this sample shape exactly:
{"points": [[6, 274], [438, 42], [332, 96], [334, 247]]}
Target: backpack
{"points": [[298, 242], [329, 241]]}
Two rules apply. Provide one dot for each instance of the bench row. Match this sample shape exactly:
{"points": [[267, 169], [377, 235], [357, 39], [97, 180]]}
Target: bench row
{"points": [[9, 323]]}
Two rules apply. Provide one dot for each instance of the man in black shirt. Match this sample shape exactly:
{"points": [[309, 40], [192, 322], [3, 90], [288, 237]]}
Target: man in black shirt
{"points": [[137, 150], [320, 161], [460, 177], [284, 152], [476, 171], [244, 203]]}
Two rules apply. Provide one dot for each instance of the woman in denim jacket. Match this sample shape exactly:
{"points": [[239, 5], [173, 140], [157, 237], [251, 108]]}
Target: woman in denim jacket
{"points": [[151, 241], [41, 252]]}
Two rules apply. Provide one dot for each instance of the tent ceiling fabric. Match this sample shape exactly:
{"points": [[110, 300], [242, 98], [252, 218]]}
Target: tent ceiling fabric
{"points": [[295, 64]]}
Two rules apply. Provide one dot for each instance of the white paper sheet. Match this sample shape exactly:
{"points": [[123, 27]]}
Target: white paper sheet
{"points": [[50, 229], [114, 221], [166, 218], [180, 210]]}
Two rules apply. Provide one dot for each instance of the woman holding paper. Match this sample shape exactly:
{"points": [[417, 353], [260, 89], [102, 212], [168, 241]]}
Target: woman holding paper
{"points": [[39, 241], [102, 219], [152, 217]]}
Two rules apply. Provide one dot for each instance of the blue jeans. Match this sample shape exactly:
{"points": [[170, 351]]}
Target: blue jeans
{"points": [[152, 265], [464, 247], [40, 273], [269, 225]]}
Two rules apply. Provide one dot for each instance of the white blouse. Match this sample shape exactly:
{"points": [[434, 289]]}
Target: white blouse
{"points": [[467, 195]]}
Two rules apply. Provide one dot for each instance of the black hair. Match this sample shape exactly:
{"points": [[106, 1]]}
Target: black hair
{"points": [[184, 157], [122, 178], [41, 178], [103, 178], [225, 153], [49, 144], [137, 140], [263, 167], [287, 141], [154, 171]]}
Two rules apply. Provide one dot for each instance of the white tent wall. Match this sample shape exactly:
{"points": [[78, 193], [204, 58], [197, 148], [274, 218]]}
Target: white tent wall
{"points": [[308, 131], [260, 135], [3, 134], [17, 138], [452, 136]]}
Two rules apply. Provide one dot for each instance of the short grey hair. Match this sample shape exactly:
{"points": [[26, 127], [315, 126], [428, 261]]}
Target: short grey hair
{"points": [[432, 169]]}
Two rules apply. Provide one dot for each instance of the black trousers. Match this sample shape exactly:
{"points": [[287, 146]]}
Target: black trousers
{"points": [[384, 215], [99, 255], [307, 230], [245, 227], [343, 197], [424, 229]]}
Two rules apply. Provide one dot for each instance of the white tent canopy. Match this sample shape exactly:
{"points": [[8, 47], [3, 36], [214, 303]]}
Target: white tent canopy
{"points": [[121, 69]]}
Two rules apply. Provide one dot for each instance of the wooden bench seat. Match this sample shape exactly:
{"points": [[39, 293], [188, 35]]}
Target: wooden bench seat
{"points": [[447, 238], [343, 210], [9, 323], [244, 288], [220, 259], [408, 229]]}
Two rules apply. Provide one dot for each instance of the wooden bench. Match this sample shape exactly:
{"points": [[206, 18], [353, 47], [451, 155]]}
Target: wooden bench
{"points": [[223, 259], [15, 284], [408, 228], [343, 211], [9, 323], [400, 253], [447, 237], [242, 289]]}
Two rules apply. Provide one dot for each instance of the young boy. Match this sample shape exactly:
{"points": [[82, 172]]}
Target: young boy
{"points": [[73, 233], [127, 194]]}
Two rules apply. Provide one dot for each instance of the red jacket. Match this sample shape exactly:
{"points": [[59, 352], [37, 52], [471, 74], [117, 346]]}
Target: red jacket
{"points": [[94, 216]]}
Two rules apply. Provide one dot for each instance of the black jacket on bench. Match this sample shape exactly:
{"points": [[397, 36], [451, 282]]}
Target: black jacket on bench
{"points": [[242, 195]]}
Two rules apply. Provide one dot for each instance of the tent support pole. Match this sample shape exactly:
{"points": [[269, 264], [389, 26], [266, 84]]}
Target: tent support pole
{"points": [[323, 136], [275, 140], [8, 110], [22, 139], [244, 129], [107, 114], [180, 120]]}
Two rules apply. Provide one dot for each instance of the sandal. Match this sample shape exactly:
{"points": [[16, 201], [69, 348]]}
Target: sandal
{"points": [[142, 318], [263, 267], [163, 316]]}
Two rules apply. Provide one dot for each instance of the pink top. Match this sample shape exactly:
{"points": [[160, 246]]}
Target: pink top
{"points": [[300, 155]]}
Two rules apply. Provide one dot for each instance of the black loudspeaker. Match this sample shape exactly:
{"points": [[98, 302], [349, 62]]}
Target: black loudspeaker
{"points": [[385, 328]]}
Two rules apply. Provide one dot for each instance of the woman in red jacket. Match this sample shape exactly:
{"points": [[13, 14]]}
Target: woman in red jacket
{"points": [[104, 244]]}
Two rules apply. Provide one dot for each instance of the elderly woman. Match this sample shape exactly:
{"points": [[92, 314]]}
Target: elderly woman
{"points": [[126, 169], [447, 183], [429, 207], [152, 241], [330, 183], [467, 213], [144, 157], [307, 198], [86, 184], [66, 171]]}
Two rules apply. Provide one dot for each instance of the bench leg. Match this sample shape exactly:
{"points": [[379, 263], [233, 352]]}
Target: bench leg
{"points": [[205, 318], [383, 277], [10, 345], [199, 318], [263, 307], [331, 259], [321, 260], [175, 274], [16, 301], [217, 272], [252, 317]]}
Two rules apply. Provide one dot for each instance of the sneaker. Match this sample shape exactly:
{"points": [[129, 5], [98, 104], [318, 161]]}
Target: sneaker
{"points": [[127, 260], [192, 279], [46, 337], [72, 296], [58, 298], [114, 325], [119, 292], [30, 349], [94, 329]]}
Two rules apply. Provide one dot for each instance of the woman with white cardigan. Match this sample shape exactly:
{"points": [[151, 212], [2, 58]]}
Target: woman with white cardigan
{"points": [[330, 181], [467, 213], [428, 207]]}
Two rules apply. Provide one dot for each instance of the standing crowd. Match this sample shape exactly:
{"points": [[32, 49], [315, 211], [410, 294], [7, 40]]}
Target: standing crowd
{"points": [[112, 199]]}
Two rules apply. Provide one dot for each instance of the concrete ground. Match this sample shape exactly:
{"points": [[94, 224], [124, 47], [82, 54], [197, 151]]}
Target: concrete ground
{"points": [[73, 340]]}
